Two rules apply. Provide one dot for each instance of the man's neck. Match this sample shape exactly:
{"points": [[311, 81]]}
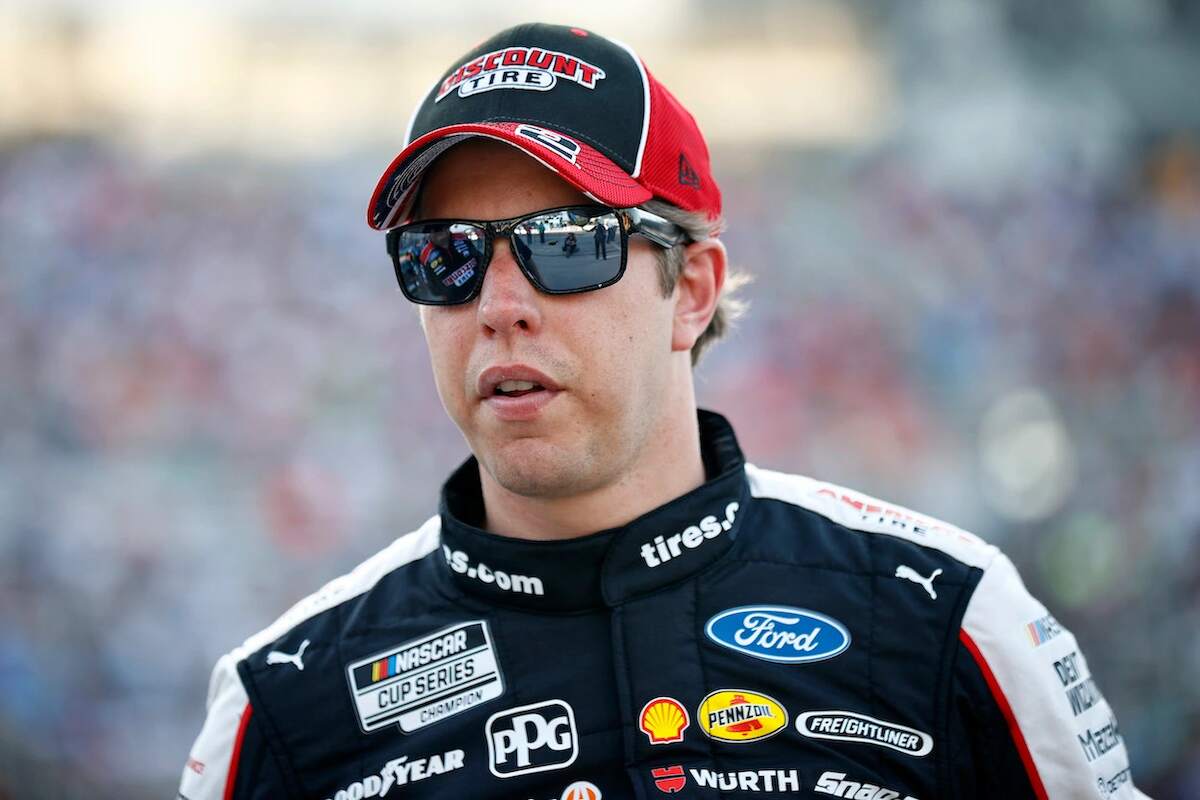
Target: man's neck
{"points": [[670, 466]]}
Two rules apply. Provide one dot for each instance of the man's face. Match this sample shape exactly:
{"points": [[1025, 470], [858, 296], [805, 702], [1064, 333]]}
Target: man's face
{"points": [[603, 357]]}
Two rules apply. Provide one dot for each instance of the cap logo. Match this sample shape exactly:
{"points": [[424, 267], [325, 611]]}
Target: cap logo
{"points": [[687, 175], [556, 142], [519, 68]]}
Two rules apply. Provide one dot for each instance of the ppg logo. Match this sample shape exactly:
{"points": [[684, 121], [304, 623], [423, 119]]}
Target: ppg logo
{"points": [[532, 738]]}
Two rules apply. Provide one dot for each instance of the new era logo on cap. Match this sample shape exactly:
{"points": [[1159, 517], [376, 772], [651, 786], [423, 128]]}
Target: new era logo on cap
{"points": [[687, 175], [583, 105]]}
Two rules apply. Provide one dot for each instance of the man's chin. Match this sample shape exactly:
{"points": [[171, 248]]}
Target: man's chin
{"points": [[537, 467]]}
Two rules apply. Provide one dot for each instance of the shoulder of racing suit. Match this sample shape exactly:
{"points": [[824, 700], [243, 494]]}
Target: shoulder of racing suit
{"points": [[232, 733], [1018, 674]]}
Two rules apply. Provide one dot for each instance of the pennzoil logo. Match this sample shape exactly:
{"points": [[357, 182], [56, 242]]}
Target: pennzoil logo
{"points": [[519, 68], [740, 715], [663, 720]]}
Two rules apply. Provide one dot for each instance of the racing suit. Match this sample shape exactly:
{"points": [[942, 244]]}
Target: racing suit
{"points": [[764, 635]]}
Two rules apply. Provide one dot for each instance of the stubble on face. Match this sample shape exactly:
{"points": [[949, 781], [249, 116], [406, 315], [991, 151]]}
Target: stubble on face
{"points": [[589, 451]]}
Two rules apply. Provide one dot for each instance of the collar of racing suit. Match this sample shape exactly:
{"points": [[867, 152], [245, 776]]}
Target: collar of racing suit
{"points": [[659, 548]]}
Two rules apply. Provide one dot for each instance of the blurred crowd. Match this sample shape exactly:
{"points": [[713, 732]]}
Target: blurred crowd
{"points": [[213, 398]]}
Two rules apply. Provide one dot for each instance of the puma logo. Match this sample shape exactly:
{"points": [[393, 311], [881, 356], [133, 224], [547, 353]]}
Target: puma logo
{"points": [[276, 657], [908, 573]]}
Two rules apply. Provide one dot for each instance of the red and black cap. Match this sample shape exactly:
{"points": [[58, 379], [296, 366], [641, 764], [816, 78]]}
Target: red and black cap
{"points": [[583, 105]]}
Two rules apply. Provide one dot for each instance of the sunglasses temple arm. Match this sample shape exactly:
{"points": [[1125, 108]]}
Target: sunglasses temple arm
{"points": [[658, 230]]}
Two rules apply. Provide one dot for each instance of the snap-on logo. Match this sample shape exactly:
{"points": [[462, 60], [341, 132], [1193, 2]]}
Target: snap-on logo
{"points": [[519, 68], [779, 633]]}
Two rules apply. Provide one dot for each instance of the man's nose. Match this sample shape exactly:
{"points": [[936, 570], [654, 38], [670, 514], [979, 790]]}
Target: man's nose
{"points": [[507, 300]]}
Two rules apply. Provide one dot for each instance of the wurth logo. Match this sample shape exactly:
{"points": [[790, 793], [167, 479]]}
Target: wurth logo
{"points": [[663, 548], [519, 68], [671, 780]]}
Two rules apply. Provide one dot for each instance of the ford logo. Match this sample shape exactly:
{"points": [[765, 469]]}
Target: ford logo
{"points": [[779, 633]]}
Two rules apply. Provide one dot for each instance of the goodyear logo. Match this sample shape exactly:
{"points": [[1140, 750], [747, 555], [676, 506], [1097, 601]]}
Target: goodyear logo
{"points": [[740, 715]]}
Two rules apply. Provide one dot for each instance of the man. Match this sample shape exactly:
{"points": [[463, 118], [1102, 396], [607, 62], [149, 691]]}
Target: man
{"points": [[600, 239], [611, 602]]}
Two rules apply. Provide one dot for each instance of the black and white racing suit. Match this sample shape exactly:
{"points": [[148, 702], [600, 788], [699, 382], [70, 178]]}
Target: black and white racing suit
{"points": [[765, 635]]}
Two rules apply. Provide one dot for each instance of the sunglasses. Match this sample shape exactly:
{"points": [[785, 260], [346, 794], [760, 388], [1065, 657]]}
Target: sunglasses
{"points": [[441, 262]]}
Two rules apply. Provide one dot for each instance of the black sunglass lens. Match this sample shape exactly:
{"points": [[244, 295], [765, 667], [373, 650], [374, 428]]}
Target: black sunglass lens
{"points": [[438, 262], [571, 249]]}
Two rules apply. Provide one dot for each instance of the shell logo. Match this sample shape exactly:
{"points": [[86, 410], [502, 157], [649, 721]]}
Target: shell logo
{"points": [[663, 720], [740, 715], [581, 790]]}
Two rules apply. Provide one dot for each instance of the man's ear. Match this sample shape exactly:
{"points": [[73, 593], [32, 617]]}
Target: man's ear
{"points": [[697, 291]]}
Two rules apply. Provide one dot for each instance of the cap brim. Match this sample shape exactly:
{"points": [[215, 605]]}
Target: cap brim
{"points": [[579, 164]]}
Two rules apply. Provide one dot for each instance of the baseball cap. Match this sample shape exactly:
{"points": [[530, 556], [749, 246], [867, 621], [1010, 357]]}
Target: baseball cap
{"points": [[583, 105]]}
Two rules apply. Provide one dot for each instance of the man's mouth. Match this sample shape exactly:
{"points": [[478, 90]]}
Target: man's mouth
{"points": [[516, 392], [517, 388]]}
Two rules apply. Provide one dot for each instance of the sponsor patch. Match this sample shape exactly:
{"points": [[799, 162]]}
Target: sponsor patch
{"points": [[909, 574], [461, 563], [877, 514], [664, 548], [848, 726], [740, 715], [663, 720], [1097, 742], [835, 783], [581, 790], [401, 772], [532, 738], [517, 67], [1078, 686], [1112, 784], [779, 633], [672, 779], [426, 680], [1042, 630], [296, 659]]}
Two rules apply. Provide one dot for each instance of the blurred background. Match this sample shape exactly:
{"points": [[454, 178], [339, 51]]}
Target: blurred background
{"points": [[974, 232]]}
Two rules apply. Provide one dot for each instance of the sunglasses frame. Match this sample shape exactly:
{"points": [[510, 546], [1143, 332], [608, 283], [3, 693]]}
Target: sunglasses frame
{"points": [[633, 221]]}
